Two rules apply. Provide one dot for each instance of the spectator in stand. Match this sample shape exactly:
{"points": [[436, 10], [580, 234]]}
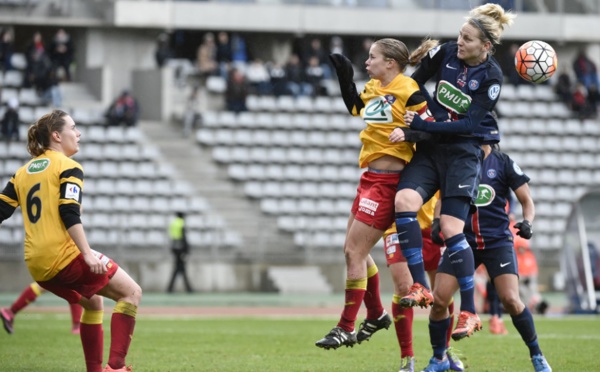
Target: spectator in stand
{"points": [[315, 74], [223, 53], [35, 55], [277, 74], [163, 51], [6, 50], [579, 101], [206, 57], [258, 77], [585, 69], [563, 88], [236, 91], [316, 49], [296, 78], [239, 52], [10, 121], [124, 109], [62, 52]]}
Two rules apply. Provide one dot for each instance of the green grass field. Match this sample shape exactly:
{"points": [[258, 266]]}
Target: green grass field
{"points": [[42, 342]]}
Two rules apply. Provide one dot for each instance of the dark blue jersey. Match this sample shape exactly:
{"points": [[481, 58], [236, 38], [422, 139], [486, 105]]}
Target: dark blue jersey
{"points": [[468, 94], [488, 227]]}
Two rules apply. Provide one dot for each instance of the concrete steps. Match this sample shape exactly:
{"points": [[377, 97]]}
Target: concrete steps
{"points": [[261, 240]]}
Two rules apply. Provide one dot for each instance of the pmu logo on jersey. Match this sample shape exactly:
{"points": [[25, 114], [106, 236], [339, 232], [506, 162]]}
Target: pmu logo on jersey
{"points": [[72, 191], [38, 165], [368, 206], [485, 195], [452, 98], [379, 110]]}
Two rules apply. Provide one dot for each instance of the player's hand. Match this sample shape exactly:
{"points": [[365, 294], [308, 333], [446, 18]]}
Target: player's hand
{"points": [[408, 117], [342, 65], [397, 135], [525, 229], [96, 266], [436, 232]]}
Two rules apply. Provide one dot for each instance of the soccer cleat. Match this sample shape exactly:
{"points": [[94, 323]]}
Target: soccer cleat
{"points": [[454, 359], [75, 329], [407, 364], [437, 365], [336, 338], [123, 369], [497, 326], [370, 326], [467, 324], [540, 364], [7, 319], [418, 295]]}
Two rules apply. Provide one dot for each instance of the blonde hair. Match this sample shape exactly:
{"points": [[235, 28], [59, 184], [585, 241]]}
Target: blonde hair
{"points": [[40, 132], [426, 45], [398, 51], [491, 20]]}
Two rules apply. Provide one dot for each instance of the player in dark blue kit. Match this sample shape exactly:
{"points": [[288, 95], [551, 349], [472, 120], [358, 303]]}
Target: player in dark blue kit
{"points": [[468, 82], [489, 235]]}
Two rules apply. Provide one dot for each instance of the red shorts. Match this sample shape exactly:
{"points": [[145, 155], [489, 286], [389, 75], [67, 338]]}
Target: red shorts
{"points": [[374, 202], [431, 252], [76, 280]]}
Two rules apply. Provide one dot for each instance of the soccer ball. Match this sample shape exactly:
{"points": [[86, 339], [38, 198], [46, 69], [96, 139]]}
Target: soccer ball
{"points": [[536, 61]]}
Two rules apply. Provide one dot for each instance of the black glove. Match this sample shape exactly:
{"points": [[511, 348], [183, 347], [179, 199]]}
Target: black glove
{"points": [[436, 231], [525, 229], [411, 135], [345, 74]]}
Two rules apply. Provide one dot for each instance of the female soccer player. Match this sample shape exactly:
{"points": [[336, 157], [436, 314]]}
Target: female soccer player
{"points": [[382, 105], [492, 241], [30, 294], [403, 316], [467, 89], [48, 188]]}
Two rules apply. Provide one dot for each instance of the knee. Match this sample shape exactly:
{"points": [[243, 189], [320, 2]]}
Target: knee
{"points": [[438, 311], [405, 202], [402, 288], [512, 304]]}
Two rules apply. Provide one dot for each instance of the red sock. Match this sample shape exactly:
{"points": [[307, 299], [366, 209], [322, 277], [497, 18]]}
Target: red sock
{"points": [[92, 340], [121, 332], [29, 295], [355, 294], [76, 311], [403, 319], [372, 296], [449, 332]]}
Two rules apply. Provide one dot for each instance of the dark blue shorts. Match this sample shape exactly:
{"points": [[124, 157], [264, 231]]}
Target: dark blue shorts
{"points": [[497, 261], [453, 168]]}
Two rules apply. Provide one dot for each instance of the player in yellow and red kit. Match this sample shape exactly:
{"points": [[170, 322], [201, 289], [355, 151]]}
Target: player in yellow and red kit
{"points": [[49, 190]]}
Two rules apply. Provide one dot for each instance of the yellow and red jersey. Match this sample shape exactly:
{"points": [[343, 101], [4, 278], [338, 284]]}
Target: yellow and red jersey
{"points": [[40, 188], [384, 111]]}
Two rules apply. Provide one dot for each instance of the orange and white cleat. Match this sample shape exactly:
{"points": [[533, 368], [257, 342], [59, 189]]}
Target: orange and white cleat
{"points": [[418, 295], [497, 326], [467, 324]]}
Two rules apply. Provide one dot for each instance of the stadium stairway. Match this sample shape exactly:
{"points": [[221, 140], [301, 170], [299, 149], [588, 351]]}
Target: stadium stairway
{"points": [[262, 242]]}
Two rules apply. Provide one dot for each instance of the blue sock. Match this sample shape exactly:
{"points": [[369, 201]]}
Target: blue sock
{"points": [[411, 244], [463, 263], [524, 324], [437, 335]]}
